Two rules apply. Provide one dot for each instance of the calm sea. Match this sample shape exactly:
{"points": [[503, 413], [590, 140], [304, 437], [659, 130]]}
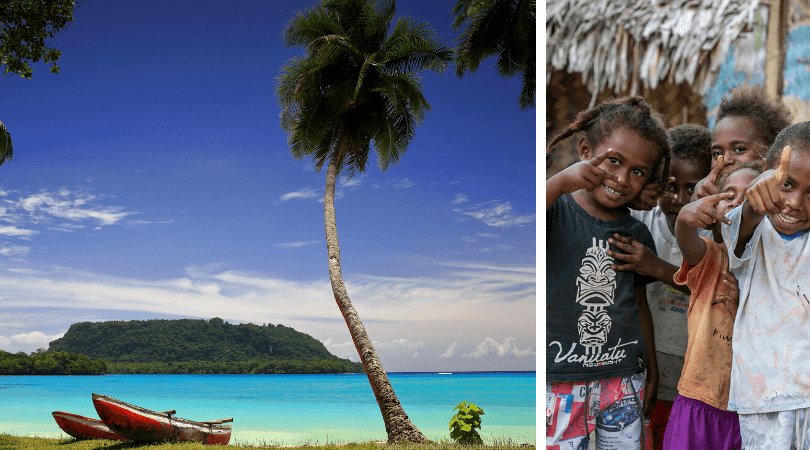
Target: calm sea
{"points": [[282, 409]]}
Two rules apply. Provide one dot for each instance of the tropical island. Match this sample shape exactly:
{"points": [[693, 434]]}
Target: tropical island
{"points": [[183, 346]]}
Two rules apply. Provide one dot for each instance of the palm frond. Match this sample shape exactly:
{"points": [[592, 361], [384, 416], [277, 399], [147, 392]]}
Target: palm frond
{"points": [[465, 9], [6, 147], [356, 86], [483, 37], [307, 26], [412, 48], [527, 90]]}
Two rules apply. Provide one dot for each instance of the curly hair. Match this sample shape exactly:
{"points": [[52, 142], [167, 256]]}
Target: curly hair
{"points": [[632, 113], [769, 115], [755, 166], [797, 136], [691, 142]]}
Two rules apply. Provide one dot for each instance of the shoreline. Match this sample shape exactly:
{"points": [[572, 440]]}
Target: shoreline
{"points": [[45, 442]]}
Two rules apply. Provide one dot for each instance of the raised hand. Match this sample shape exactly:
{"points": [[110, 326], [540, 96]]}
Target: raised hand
{"points": [[703, 212], [652, 191], [587, 174], [763, 195], [708, 185], [636, 256]]}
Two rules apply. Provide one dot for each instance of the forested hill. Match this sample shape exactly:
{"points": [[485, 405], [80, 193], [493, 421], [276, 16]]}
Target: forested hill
{"points": [[187, 340]]}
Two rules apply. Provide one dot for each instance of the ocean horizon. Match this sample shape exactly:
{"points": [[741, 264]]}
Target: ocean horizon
{"points": [[283, 409]]}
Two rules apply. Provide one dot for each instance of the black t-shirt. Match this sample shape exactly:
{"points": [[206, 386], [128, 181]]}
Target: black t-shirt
{"points": [[592, 321]]}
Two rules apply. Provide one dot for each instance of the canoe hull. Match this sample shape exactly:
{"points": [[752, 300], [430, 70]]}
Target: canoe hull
{"points": [[81, 427], [144, 425]]}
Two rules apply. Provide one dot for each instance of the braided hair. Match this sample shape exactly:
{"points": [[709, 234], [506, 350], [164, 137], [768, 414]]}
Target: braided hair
{"points": [[632, 113]]}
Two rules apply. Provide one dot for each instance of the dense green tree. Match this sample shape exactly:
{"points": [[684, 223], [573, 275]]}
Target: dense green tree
{"points": [[502, 27], [50, 363], [186, 340], [357, 85], [25, 26]]}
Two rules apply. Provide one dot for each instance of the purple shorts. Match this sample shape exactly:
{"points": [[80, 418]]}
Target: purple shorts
{"points": [[694, 425]]}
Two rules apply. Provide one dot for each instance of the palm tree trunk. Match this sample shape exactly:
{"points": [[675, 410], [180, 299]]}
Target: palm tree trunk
{"points": [[397, 424]]}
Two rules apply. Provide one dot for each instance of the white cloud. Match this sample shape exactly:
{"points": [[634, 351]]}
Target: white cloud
{"points": [[459, 199], [27, 342], [297, 244], [451, 350], [69, 205], [13, 231], [350, 182], [404, 183], [497, 215], [410, 319], [14, 250], [398, 347], [302, 194], [491, 347], [385, 349], [150, 222]]}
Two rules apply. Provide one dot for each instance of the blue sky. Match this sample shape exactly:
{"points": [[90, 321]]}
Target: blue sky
{"points": [[151, 179]]}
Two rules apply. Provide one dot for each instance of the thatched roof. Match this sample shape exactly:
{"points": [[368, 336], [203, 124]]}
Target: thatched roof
{"points": [[626, 45]]}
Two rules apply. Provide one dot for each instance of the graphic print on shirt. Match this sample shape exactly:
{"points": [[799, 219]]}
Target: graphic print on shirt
{"points": [[596, 286]]}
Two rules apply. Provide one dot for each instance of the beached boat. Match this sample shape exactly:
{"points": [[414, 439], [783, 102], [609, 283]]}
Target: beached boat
{"points": [[144, 425], [82, 427]]}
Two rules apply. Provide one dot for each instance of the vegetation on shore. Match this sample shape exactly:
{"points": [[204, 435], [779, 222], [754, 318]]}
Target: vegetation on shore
{"points": [[50, 363], [182, 346], [26, 442]]}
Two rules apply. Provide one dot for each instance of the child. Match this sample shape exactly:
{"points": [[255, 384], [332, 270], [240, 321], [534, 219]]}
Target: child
{"points": [[768, 251], [699, 418], [599, 330], [747, 123], [690, 161]]}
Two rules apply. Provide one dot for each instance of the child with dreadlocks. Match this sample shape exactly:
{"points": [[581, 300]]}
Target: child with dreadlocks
{"points": [[690, 162], [600, 360]]}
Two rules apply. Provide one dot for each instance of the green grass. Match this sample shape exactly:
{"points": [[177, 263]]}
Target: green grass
{"points": [[8, 442]]}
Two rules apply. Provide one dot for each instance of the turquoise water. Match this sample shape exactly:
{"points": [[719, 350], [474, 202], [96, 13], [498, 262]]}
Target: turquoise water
{"points": [[281, 409]]}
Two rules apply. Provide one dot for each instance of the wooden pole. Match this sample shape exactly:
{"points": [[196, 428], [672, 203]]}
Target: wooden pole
{"points": [[775, 48]]}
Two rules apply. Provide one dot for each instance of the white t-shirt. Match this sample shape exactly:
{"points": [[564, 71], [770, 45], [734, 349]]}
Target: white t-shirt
{"points": [[668, 305], [770, 370]]}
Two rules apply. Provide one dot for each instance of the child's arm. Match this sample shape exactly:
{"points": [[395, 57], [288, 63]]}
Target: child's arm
{"points": [[698, 214], [582, 175], [638, 258], [762, 197], [645, 317]]}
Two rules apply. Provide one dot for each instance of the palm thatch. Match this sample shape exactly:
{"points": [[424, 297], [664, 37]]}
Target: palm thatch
{"points": [[632, 45]]}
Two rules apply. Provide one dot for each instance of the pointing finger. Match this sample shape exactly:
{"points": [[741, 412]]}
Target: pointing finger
{"points": [[600, 158], [784, 165], [718, 165], [714, 199]]}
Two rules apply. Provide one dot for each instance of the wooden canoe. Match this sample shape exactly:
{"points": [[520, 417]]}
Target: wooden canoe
{"points": [[144, 425], [81, 427]]}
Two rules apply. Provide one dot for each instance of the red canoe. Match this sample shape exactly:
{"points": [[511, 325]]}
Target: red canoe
{"points": [[82, 427], [144, 425]]}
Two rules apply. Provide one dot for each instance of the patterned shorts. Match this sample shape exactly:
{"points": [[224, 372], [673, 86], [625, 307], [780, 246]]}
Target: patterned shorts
{"points": [[607, 411], [776, 430]]}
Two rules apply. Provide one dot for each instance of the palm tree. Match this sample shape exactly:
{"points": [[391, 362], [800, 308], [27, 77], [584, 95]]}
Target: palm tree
{"points": [[357, 84], [503, 27], [6, 148]]}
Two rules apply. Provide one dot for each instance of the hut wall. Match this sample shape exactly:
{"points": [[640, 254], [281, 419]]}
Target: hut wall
{"points": [[566, 95]]}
